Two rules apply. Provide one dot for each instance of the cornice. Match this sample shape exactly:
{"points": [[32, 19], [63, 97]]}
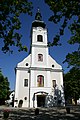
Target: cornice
{"points": [[38, 45], [39, 69]]}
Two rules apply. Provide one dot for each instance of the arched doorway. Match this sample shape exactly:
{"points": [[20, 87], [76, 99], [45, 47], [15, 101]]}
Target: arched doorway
{"points": [[41, 100], [40, 97]]}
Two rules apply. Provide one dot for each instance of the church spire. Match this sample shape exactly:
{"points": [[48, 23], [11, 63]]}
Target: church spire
{"points": [[38, 15], [38, 20]]}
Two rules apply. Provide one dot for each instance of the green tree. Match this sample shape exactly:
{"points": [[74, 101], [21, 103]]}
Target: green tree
{"points": [[10, 11], [67, 13], [4, 88], [72, 84]]}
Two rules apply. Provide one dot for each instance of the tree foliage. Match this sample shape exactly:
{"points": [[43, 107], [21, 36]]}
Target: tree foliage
{"points": [[4, 88], [73, 59], [72, 84], [67, 13], [10, 11]]}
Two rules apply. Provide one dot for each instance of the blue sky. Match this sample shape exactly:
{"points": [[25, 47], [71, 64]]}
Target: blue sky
{"points": [[8, 61]]}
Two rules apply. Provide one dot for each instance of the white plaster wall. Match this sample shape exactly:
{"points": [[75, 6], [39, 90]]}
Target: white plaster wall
{"points": [[20, 91], [35, 52], [58, 77], [17, 87]]}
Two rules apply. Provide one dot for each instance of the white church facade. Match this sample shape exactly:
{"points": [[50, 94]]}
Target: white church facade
{"points": [[39, 78]]}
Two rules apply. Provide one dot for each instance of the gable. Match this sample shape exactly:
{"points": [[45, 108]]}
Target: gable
{"points": [[53, 63], [25, 62]]}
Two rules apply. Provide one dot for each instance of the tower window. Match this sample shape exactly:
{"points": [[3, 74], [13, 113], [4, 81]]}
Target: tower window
{"points": [[40, 81], [25, 82], [39, 38], [40, 57]]}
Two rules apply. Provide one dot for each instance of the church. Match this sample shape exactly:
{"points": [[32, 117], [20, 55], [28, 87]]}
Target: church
{"points": [[39, 78]]}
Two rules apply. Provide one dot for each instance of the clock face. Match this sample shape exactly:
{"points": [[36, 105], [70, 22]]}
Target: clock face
{"points": [[39, 28]]}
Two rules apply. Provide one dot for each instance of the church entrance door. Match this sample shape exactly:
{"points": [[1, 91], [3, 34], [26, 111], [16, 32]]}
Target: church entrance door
{"points": [[41, 100]]}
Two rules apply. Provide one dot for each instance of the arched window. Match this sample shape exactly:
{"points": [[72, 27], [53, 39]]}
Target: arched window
{"points": [[40, 81], [39, 38], [40, 57]]}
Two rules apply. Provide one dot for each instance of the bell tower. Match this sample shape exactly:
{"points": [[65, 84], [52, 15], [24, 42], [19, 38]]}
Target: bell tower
{"points": [[39, 48]]}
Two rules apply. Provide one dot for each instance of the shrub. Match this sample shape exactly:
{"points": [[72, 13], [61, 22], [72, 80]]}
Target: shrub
{"points": [[6, 114]]}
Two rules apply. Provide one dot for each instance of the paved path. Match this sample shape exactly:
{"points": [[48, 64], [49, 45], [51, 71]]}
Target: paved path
{"points": [[44, 114]]}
